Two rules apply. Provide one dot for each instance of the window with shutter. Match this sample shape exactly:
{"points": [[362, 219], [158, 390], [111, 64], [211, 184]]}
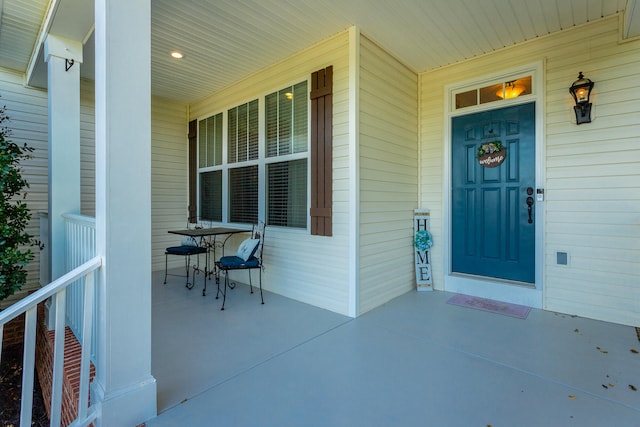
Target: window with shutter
{"points": [[268, 162]]}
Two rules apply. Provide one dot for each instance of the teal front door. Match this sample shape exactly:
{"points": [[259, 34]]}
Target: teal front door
{"points": [[493, 194]]}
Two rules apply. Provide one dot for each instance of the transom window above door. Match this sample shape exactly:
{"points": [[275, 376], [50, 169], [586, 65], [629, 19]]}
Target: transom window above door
{"points": [[494, 92]]}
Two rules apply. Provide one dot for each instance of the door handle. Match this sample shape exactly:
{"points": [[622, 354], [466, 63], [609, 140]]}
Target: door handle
{"points": [[529, 206]]}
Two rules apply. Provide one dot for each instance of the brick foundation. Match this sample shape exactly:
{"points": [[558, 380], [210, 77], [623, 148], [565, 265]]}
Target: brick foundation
{"points": [[13, 333], [71, 375]]}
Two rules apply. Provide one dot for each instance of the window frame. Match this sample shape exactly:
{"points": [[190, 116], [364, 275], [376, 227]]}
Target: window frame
{"points": [[200, 170], [262, 161]]}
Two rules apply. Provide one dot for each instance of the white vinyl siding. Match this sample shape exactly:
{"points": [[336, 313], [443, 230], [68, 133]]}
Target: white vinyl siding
{"points": [[388, 175], [308, 268], [592, 171], [169, 182], [27, 110], [593, 181], [168, 173], [87, 149]]}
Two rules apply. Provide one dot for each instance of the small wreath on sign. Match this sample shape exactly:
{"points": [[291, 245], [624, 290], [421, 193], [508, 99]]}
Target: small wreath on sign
{"points": [[423, 240], [491, 154]]}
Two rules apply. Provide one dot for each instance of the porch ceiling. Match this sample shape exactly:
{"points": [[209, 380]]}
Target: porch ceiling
{"points": [[226, 40]]}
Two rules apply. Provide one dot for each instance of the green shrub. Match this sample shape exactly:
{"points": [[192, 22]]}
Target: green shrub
{"points": [[14, 214]]}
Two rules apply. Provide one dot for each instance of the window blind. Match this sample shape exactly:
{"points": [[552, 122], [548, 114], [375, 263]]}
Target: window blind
{"points": [[211, 196], [286, 121], [243, 132], [287, 193], [243, 194], [210, 141]]}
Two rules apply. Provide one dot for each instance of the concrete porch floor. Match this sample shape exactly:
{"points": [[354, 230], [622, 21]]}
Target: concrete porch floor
{"points": [[416, 361]]}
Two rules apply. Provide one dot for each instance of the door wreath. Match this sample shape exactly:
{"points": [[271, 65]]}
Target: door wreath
{"points": [[491, 154]]}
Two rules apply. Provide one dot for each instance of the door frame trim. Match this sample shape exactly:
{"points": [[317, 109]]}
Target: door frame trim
{"points": [[497, 289]]}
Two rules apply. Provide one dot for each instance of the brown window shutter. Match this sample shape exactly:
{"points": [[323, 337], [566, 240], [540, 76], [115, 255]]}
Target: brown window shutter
{"points": [[193, 171], [321, 155]]}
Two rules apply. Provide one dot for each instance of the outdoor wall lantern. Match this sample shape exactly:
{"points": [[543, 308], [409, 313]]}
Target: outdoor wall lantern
{"points": [[581, 90]]}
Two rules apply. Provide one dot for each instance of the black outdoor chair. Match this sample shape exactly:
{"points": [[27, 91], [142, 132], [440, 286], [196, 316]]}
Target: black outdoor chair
{"points": [[188, 248], [248, 257]]}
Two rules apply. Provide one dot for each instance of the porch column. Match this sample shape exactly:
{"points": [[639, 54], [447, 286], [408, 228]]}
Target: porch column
{"points": [[123, 385], [64, 142]]}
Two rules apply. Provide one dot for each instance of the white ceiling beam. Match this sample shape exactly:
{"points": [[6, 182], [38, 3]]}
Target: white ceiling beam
{"points": [[37, 55], [72, 19]]}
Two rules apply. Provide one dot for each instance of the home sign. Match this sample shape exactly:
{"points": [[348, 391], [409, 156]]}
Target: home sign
{"points": [[422, 243]]}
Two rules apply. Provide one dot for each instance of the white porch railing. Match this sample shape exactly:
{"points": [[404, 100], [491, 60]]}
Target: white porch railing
{"points": [[80, 235], [58, 288]]}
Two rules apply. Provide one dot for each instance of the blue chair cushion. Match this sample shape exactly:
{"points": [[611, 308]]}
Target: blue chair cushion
{"points": [[185, 250], [235, 262]]}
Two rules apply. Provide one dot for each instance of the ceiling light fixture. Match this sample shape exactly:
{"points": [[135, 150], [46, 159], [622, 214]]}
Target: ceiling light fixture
{"points": [[511, 90], [177, 55]]}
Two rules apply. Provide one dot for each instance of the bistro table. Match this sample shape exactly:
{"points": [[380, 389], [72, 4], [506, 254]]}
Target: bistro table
{"points": [[206, 237]]}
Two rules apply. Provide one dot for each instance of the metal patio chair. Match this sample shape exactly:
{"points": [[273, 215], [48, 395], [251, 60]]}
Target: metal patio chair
{"points": [[188, 248], [248, 257]]}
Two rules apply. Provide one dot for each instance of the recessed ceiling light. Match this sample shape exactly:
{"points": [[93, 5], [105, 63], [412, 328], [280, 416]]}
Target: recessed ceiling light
{"points": [[177, 55]]}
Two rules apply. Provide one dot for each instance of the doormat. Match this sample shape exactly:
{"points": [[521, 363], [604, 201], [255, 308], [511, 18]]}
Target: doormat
{"points": [[492, 306]]}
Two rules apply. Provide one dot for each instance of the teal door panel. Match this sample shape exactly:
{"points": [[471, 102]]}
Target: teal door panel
{"points": [[493, 226]]}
